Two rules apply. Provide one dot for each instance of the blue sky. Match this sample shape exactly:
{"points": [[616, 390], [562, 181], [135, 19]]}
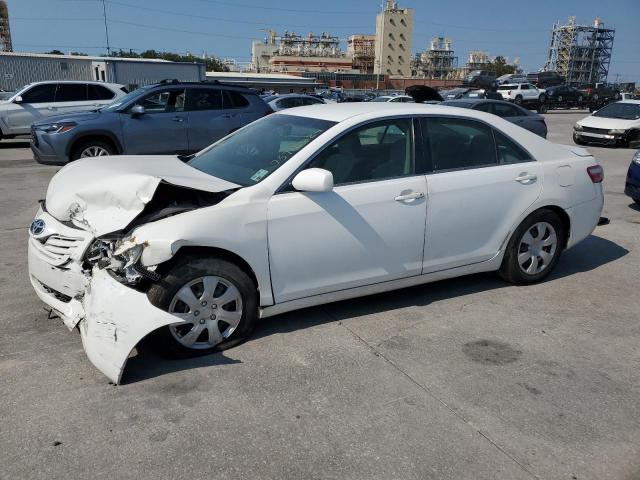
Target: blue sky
{"points": [[225, 28]]}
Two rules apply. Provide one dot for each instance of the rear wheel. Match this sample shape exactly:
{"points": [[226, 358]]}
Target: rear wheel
{"points": [[92, 148], [215, 303], [534, 248]]}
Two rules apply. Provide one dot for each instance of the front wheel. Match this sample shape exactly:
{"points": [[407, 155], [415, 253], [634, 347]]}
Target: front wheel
{"points": [[534, 248], [518, 100], [92, 148], [215, 304]]}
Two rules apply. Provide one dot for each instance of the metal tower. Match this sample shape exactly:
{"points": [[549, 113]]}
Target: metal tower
{"points": [[5, 31], [581, 53]]}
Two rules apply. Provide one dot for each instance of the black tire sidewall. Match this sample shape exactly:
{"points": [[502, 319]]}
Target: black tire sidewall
{"points": [[510, 269], [186, 269]]}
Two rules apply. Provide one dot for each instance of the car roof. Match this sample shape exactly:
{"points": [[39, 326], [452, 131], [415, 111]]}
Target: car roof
{"points": [[635, 102], [93, 82]]}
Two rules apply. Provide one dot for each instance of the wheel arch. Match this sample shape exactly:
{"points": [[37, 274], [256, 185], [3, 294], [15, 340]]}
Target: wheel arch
{"points": [[562, 214], [93, 135]]}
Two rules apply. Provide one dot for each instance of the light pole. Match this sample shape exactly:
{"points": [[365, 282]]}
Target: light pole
{"points": [[106, 26]]}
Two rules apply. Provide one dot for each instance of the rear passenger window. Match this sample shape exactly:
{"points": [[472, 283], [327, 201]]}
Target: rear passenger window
{"points": [[234, 100], [204, 99], [453, 144], [505, 110], [508, 151], [98, 92], [40, 94], [71, 92]]}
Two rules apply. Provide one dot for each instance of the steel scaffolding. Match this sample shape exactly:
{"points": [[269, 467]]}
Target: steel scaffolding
{"points": [[5, 31], [437, 62], [580, 53]]}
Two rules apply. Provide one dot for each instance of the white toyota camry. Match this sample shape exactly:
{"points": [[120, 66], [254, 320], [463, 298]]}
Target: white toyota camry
{"points": [[312, 205]]}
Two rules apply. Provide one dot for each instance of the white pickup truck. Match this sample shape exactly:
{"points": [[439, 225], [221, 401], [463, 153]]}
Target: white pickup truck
{"points": [[520, 93]]}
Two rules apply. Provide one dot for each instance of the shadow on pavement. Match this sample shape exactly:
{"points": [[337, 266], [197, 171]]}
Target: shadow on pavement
{"points": [[590, 254], [16, 144]]}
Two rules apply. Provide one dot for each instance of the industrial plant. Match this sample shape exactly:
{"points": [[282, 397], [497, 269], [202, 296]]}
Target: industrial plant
{"points": [[581, 53], [5, 30]]}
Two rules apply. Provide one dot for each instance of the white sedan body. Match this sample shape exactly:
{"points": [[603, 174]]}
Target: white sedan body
{"points": [[305, 248]]}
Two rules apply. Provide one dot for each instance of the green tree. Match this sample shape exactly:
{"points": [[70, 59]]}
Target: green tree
{"points": [[501, 67]]}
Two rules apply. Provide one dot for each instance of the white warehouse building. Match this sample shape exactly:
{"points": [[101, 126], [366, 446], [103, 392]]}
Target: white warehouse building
{"points": [[18, 69]]}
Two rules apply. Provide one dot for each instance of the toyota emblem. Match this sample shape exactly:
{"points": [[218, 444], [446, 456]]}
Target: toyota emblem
{"points": [[37, 226]]}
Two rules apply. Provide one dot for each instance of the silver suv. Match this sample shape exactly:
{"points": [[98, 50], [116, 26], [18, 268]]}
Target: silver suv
{"points": [[39, 100]]}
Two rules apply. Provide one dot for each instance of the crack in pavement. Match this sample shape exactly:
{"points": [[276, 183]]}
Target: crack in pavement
{"points": [[434, 396]]}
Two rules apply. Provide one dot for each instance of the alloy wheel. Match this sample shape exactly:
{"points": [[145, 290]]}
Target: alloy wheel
{"points": [[537, 248], [211, 310], [94, 151]]}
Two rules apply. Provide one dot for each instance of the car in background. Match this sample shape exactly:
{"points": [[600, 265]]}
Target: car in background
{"points": [[166, 118], [564, 96], [455, 93], [512, 113], [332, 96], [481, 79], [512, 78], [632, 184], [545, 79], [394, 99], [520, 93], [39, 100], [300, 208], [290, 100], [599, 94], [616, 124], [481, 93]]}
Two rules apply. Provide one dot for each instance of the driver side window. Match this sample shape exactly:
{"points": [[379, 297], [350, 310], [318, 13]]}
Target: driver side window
{"points": [[163, 101], [373, 152]]}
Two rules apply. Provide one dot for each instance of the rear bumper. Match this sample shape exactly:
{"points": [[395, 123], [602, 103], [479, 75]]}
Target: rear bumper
{"points": [[584, 218]]}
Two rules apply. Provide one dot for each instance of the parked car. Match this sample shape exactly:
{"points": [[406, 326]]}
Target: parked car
{"points": [[512, 78], [39, 100], [455, 93], [564, 96], [303, 207], [616, 124], [520, 93], [164, 118], [599, 94], [394, 99], [632, 185], [545, 79], [281, 102], [482, 93], [481, 79], [512, 113]]}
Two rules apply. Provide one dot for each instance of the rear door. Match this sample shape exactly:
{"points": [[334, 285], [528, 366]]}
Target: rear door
{"points": [[208, 120], [37, 104], [237, 109], [480, 183], [72, 97], [98, 95], [162, 129]]}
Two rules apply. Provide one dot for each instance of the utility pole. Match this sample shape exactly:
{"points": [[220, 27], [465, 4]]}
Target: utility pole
{"points": [[106, 26]]}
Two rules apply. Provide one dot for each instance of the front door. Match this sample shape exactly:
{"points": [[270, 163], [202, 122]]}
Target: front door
{"points": [[37, 103], [161, 129], [369, 229], [477, 190]]}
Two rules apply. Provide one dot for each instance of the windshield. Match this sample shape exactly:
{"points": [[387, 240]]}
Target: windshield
{"points": [[123, 100], [251, 154], [623, 111]]}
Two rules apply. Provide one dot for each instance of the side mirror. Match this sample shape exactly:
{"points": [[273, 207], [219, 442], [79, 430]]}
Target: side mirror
{"points": [[137, 110], [18, 99], [313, 180]]}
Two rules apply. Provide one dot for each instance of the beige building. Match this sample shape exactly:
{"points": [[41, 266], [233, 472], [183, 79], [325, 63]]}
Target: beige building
{"points": [[362, 50], [394, 33]]}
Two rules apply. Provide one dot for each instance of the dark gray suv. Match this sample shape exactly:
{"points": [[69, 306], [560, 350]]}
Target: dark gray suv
{"points": [[167, 118]]}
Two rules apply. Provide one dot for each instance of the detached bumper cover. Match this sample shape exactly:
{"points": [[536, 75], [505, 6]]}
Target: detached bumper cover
{"points": [[116, 319]]}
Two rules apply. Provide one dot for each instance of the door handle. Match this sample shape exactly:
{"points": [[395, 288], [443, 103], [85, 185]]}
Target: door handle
{"points": [[409, 196], [526, 178], [178, 119]]}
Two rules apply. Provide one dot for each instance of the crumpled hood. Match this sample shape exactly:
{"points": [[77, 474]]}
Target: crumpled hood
{"points": [[105, 194], [608, 123]]}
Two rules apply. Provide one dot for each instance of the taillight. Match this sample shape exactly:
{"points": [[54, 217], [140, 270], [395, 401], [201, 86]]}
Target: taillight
{"points": [[508, 92], [596, 173]]}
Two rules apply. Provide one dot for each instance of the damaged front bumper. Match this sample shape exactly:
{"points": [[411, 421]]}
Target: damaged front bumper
{"points": [[112, 317]]}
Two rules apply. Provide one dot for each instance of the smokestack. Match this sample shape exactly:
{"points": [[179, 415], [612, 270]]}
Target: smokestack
{"points": [[5, 31]]}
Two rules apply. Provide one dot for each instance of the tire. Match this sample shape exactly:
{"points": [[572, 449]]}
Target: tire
{"points": [[518, 100], [203, 283], [99, 148], [544, 233], [577, 140], [543, 108]]}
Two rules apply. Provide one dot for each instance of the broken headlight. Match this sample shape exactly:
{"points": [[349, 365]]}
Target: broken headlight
{"points": [[119, 256]]}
